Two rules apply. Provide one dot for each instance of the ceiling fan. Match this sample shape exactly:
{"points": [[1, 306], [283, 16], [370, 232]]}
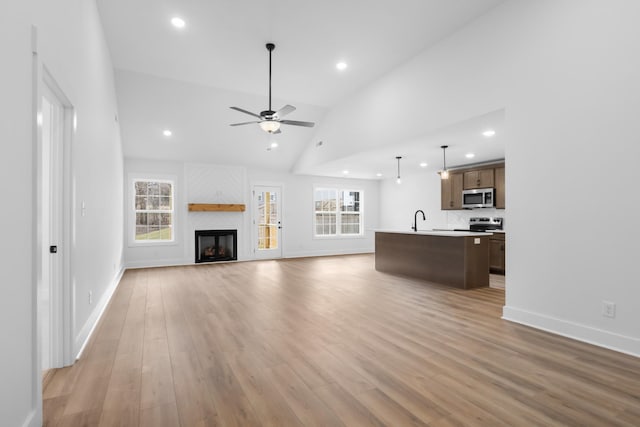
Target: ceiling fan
{"points": [[270, 120]]}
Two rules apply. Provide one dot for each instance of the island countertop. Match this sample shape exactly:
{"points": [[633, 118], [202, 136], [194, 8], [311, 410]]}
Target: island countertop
{"points": [[445, 233], [453, 258]]}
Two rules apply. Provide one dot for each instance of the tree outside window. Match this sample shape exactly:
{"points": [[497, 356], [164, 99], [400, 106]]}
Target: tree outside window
{"points": [[154, 210]]}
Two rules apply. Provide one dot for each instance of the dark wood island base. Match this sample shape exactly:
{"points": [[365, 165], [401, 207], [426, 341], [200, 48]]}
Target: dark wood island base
{"points": [[458, 260]]}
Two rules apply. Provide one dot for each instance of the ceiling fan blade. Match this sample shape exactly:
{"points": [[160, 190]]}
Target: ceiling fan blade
{"points": [[246, 112], [284, 111], [298, 123], [243, 123]]}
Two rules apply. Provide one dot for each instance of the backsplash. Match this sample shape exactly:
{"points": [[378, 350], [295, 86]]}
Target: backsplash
{"points": [[460, 219]]}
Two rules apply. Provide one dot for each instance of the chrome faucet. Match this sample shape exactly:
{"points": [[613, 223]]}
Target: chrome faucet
{"points": [[415, 219]]}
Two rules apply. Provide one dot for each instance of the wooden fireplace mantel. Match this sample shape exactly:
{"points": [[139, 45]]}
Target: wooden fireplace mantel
{"points": [[216, 207]]}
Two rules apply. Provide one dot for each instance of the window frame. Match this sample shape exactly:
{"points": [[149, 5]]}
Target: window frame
{"points": [[131, 234], [338, 235]]}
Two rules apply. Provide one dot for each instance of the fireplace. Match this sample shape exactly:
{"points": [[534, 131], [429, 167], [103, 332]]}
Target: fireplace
{"points": [[216, 245]]}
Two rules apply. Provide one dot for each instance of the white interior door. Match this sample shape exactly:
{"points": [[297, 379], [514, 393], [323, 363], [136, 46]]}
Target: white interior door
{"points": [[267, 206], [51, 227]]}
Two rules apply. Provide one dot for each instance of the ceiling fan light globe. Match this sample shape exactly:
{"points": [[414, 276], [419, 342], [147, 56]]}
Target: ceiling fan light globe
{"points": [[270, 126]]}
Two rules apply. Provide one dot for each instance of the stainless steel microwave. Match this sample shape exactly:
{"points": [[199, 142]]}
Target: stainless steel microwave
{"points": [[478, 198]]}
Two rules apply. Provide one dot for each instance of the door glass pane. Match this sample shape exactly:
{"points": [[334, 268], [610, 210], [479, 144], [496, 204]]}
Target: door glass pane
{"points": [[267, 220]]}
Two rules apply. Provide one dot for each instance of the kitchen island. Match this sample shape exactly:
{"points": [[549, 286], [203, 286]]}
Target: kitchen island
{"points": [[452, 258]]}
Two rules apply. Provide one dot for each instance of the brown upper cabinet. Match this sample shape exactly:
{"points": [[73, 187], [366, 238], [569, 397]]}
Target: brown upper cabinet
{"points": [[481, 178], [451, 192], [499, 177]]}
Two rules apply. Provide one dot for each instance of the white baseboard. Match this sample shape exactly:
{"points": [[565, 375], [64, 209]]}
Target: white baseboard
{"points": [[82, 338], [32, 420], [178, 262], [576, 331], [327, 252], [148, 263]]}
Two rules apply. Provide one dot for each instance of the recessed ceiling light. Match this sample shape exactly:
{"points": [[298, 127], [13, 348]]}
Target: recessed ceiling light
{"points": [[346, 172], [274, 144], [469, 155], [378, 174], [178, 22], [167, 132], [489, 132], [341, 66], [423, 164]]}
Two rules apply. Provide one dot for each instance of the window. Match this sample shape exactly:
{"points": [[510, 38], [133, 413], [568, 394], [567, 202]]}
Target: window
{"points": [[337, 212], [154, 210]]}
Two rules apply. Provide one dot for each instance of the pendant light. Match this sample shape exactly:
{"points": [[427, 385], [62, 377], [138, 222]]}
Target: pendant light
{"points": [[444, 174], [398, 180]]}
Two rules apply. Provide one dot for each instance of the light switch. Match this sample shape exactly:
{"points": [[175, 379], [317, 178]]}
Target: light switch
{"points": [[476, 240]]}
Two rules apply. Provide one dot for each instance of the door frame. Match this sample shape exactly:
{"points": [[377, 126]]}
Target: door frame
{"points": [[61, 300], [254, 226]]}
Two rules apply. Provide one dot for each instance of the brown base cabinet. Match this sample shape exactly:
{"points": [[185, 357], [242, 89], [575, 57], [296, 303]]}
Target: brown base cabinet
{"points": [[497, 253]]}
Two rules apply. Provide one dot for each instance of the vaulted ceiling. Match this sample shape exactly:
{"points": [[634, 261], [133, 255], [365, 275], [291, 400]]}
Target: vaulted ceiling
{"points": [[186, 79]]}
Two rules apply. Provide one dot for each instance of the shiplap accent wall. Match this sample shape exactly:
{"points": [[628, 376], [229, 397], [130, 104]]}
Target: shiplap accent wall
{"points": [[207, 183]]}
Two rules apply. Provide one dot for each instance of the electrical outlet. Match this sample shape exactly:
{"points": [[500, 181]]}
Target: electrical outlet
{"points": [[608, 309], [90, 297]]}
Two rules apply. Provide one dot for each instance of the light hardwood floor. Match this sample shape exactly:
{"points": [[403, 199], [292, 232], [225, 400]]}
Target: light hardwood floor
{"points": [[328, 341]]}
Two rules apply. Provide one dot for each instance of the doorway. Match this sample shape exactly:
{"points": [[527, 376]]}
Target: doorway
{"points": [[54, 308], [267, 235]]}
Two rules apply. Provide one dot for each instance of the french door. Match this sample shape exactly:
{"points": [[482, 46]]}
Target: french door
{"points": [[267, 222]]}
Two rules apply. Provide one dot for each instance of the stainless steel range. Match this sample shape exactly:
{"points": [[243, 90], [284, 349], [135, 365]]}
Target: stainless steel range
{"points": [[483, 223]]}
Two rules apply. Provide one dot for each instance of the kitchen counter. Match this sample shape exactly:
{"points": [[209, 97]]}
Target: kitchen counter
{"points": [[445, 233], [454, 258]]}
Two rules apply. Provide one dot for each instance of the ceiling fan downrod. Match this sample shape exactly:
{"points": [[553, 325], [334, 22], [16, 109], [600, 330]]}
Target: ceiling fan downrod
{"points": [[270, 47]]}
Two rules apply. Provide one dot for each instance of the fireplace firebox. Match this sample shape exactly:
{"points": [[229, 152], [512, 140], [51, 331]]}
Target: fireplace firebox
{"points": [[216, 245]]}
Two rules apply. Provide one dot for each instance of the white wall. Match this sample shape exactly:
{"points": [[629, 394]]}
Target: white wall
{"points": [[399, 202], [297, 222], [74, 50], [17, 314], [72, 47], [164, 254], [577, 115], [209, 183], [566, 73]]}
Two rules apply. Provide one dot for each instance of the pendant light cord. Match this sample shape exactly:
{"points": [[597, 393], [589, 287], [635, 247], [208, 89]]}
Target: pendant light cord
{"points": [[444, 156]]}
